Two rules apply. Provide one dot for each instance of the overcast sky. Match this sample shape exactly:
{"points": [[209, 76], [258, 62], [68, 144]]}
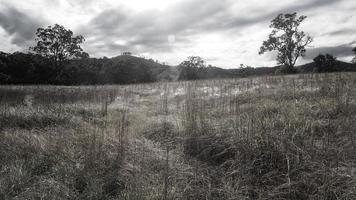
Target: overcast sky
{"points": [[226, 33]]}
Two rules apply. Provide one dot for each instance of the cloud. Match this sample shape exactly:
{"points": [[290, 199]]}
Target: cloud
{"points": [[340, 51], [149, 30], [20, 26], [310, 5], [227, 30], [345, 31]]}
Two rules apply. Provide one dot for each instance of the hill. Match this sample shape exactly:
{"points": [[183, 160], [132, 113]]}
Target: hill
{"points": [[26, 68], [215, 72], [340, 66], [22, 68], [155, 67]]}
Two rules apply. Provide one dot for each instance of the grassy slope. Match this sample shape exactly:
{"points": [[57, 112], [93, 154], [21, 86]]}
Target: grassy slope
{"points": [[280, 137]]}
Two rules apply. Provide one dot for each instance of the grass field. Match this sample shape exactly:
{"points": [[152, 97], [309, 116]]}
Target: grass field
{"points": [[277, 137]]}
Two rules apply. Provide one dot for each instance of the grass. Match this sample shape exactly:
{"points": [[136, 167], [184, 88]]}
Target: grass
{"points": [[276, 137]]}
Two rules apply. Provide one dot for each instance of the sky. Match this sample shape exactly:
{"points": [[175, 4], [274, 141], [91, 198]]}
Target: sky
{"points": [[226, 33]]}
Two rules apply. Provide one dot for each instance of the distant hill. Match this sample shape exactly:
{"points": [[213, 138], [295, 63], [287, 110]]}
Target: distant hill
{"points": [[26, 68], [155, 67], [160, 72], [22, 68], [171, 73], [215, 72], [340, 66]]}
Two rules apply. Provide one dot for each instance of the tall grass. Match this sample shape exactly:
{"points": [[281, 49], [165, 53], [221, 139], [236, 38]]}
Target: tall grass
{"points": [[273, 137]]}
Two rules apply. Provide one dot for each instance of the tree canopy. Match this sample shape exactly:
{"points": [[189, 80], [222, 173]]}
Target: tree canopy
{"points": [[286, 39], [58, 44], [194, 62], [191, 67], [325, 63]]}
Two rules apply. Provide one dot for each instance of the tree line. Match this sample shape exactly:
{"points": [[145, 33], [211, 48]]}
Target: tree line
{"points": [[29, 68], [58, 58]]}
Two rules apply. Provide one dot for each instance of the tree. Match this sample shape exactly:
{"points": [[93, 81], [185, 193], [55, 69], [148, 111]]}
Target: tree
{"points": [[59, 45], [191, 67], [245, 70], [287, 39], [194, 62], [325, 63], [354, 59], [319, 62], [4, 77]]}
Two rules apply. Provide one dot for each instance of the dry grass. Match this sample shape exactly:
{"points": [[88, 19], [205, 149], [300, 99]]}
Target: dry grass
{"points": [[279, 137]]}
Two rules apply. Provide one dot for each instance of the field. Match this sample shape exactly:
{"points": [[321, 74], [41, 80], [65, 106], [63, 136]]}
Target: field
{"points": [[275, 137]]}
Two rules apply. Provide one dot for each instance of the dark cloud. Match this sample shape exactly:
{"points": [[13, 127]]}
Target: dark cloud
{"points": [[268, 16], [227, 21], [338, 51], [346, 31], [310, 5], [20, 26]]}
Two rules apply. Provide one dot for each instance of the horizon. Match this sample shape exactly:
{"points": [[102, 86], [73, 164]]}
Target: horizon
{"points": [[225, 33]]}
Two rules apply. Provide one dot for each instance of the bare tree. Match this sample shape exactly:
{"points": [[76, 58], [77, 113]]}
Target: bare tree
{"points": [[354, 59], [287, 39]]}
